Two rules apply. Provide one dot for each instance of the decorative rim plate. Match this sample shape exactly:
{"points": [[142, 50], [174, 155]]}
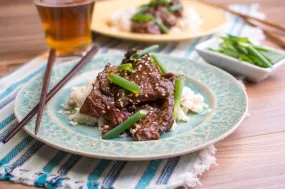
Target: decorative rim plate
{"points": [[213, 21], [222, 92]]}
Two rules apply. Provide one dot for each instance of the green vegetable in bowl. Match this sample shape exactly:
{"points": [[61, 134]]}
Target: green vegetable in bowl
{"points": [[161, 26], [241, 48]]}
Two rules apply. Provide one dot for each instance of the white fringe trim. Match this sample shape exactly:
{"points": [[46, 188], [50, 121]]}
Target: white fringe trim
{"points": [[190, 179]]}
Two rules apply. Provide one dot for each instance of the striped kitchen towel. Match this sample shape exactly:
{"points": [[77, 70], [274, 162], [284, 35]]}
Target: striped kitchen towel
{"points": [[28, 161]]}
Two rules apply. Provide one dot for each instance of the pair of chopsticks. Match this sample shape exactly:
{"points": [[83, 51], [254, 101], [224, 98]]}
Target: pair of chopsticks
{"points": [[45, 97], [249, 20]]}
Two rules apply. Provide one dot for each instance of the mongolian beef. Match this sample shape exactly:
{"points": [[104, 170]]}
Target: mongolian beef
{"points": [[116, 104], [156, 17], [138, 97]]}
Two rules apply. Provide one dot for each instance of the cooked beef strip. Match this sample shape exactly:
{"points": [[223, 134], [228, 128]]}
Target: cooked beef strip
{"points": [[116, 104], [147, 75], [167, 18], [101, 98], [156, 122]]}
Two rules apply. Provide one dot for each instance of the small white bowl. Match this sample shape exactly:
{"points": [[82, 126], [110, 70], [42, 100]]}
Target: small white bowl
{"points": [[235, 66]]}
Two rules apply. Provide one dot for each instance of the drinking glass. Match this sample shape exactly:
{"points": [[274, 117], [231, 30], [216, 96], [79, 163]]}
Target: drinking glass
{"points": [[66, 24]]}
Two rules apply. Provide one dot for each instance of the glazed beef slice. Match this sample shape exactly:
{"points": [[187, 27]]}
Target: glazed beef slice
{"points": [[101, 98], [146, 74]]}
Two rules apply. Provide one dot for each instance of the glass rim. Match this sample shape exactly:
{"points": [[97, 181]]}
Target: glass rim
{"points": [[76, 3]]}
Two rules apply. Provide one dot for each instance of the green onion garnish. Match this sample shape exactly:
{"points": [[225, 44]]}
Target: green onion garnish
{"points": [[242, 49], [126, 84], [142, 9], [152, 3], [159, 64], [125, 125], [125, 67], [175, 7], [260, 59], [139, 17], [179, 84], [162, 27], [143, 52], [165, 2]]}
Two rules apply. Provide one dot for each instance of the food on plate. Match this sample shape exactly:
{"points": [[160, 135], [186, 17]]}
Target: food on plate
{"points": [[242, 49], [156, 17], [138, 98]]}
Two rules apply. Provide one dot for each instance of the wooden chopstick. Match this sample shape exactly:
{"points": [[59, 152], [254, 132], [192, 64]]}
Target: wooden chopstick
{"points": [[51, 60], [55, 89], [244, 16], [278, 40]]}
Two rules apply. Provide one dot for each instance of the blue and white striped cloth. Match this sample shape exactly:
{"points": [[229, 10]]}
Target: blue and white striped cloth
{"points": [[28, 161]]}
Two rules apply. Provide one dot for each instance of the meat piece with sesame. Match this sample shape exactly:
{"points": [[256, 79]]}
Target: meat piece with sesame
{"points": [[158, 121], [146, 74]]}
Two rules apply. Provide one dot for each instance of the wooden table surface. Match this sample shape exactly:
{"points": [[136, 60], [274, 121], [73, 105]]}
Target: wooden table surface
{"points": [[252, 157]]}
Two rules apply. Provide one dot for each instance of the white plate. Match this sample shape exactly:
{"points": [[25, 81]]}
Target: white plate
{"points": [[234, 66]]}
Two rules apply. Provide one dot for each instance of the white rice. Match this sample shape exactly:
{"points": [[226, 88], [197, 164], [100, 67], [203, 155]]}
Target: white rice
{"points": [[121, 20], [75, 101], [189, 102]]}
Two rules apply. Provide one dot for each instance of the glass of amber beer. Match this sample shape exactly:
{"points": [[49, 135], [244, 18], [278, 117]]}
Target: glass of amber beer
{"points": [[66, 24]]}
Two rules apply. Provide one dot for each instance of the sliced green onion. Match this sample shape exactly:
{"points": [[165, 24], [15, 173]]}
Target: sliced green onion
{"points": [[126, 84], [143, 52], [179, 84], [259, 57], [175, 7], [139, 17], [142, 9], [159, 64], [125, 67], [125, 125], [162, 27], [152, 3], [165, 2]]}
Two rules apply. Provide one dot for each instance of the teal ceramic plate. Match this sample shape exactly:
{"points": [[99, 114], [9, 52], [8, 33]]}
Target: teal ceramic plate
{"points": [[221, 91]]}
